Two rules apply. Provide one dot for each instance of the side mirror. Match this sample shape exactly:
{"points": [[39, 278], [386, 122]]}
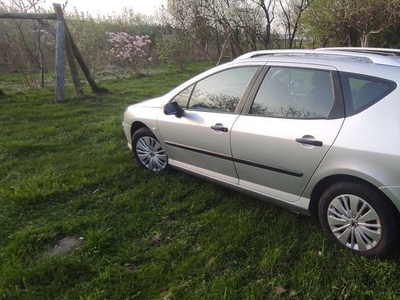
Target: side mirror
{"points": [[172, 108]]}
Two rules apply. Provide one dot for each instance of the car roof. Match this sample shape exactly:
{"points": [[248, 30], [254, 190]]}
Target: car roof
{"points": [[331, 56], [366, 61]]}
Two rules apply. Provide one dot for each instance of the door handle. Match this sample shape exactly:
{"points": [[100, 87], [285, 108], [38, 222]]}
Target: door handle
{"points": [[219, 127], [310, 142]]}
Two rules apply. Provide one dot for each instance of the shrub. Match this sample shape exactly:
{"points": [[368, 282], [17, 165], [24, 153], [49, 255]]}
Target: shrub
{"points": [[173, 50], [130, 51]]}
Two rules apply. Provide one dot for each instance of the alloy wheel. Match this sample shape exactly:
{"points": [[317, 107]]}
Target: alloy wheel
{"points": [[354, 222], [151, 154]]}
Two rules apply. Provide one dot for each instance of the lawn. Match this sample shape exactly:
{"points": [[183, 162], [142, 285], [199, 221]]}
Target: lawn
{"points": [[66, 173]]}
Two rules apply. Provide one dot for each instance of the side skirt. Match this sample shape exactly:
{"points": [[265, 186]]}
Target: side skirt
{"points": [[300, 206]]}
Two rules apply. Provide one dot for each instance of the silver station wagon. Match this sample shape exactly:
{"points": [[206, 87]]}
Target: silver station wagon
{"points": [[315, 131]]}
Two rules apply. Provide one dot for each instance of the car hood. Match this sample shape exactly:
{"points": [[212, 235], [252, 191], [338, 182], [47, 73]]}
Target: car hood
{"points": [[156, 102]]}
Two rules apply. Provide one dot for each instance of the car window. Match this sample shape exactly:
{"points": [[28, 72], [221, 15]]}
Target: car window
{"points": [[294, 93], [221, 91], [365, 91], [183, 97]]}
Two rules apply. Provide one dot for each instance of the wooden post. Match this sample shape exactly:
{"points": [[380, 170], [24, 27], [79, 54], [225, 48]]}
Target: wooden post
{"points": [[63, 40], [95, 88], [60, 66], [68, 49], [27, 16], [72, 65], [79, 58], [70, 56]]}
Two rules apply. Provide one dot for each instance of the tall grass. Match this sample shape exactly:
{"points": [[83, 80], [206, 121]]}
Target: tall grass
{"points": [[65, 172]]}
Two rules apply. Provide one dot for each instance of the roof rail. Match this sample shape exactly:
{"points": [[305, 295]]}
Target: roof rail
{"points": [[274, 52], [381, 51], [380, 56]]}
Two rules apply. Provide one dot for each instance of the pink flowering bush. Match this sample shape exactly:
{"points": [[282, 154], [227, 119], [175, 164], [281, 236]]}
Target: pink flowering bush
{"points": [[129, 51]]}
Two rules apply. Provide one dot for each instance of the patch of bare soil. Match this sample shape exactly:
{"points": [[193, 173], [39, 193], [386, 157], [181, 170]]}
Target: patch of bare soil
{"points": [[64, 246]]}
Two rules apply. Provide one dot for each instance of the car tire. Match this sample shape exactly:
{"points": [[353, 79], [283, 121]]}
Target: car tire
{"points": [[357, 217], [148, 151]]}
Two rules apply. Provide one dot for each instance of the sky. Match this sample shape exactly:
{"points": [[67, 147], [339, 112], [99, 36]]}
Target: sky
{"points": [[105, 7], [147, 7]]}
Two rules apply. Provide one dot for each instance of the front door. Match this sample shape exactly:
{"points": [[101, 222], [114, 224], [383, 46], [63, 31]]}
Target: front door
{"points": [[200, 139]]}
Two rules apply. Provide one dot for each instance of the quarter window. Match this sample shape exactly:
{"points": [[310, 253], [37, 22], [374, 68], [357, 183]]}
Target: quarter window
{"points": [[221, 91], [183, 97], [364, 91], [294, 93]]}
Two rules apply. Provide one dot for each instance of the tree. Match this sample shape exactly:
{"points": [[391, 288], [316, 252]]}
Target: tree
{"points": [[190, 21], [373, 16], [24, 43], [291, 12], [349, 22], [238, 25], [89, 35], [268, 8], [173, 50], [224, 14], [389, 38], [324, 22]]}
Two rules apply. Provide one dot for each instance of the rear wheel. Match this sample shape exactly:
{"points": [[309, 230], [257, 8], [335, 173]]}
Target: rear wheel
{"points": [[148, 151], [358, 217]]}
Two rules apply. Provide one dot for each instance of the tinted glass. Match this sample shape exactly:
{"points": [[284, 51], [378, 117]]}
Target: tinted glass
{"points": [[365, 91], [294, 93], [221, 91]]}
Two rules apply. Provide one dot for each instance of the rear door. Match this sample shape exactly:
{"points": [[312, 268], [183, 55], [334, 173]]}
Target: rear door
{"points": [[287, 130]]}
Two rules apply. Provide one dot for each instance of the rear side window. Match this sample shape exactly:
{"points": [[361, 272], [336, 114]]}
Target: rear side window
{"points": [[363, 91], [294, 93]]}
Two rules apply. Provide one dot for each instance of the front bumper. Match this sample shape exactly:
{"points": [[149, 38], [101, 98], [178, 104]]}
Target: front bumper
{"points": [[127, 131]]}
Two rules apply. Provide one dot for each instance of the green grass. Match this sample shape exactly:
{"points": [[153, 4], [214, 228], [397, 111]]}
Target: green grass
{"points": [[65, 171]]}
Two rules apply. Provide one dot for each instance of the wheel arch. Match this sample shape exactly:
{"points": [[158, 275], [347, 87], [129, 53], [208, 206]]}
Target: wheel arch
{"points": [[136, 126], [324, 183]]}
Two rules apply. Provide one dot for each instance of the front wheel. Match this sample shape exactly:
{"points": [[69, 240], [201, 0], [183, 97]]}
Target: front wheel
{"points": [[148, 151], [358, 217]]}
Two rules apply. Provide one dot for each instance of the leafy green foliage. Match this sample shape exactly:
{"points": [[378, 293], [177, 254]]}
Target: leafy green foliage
{"points": [[66, 172], [89, 33], [173, 50], [349, 22]]}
